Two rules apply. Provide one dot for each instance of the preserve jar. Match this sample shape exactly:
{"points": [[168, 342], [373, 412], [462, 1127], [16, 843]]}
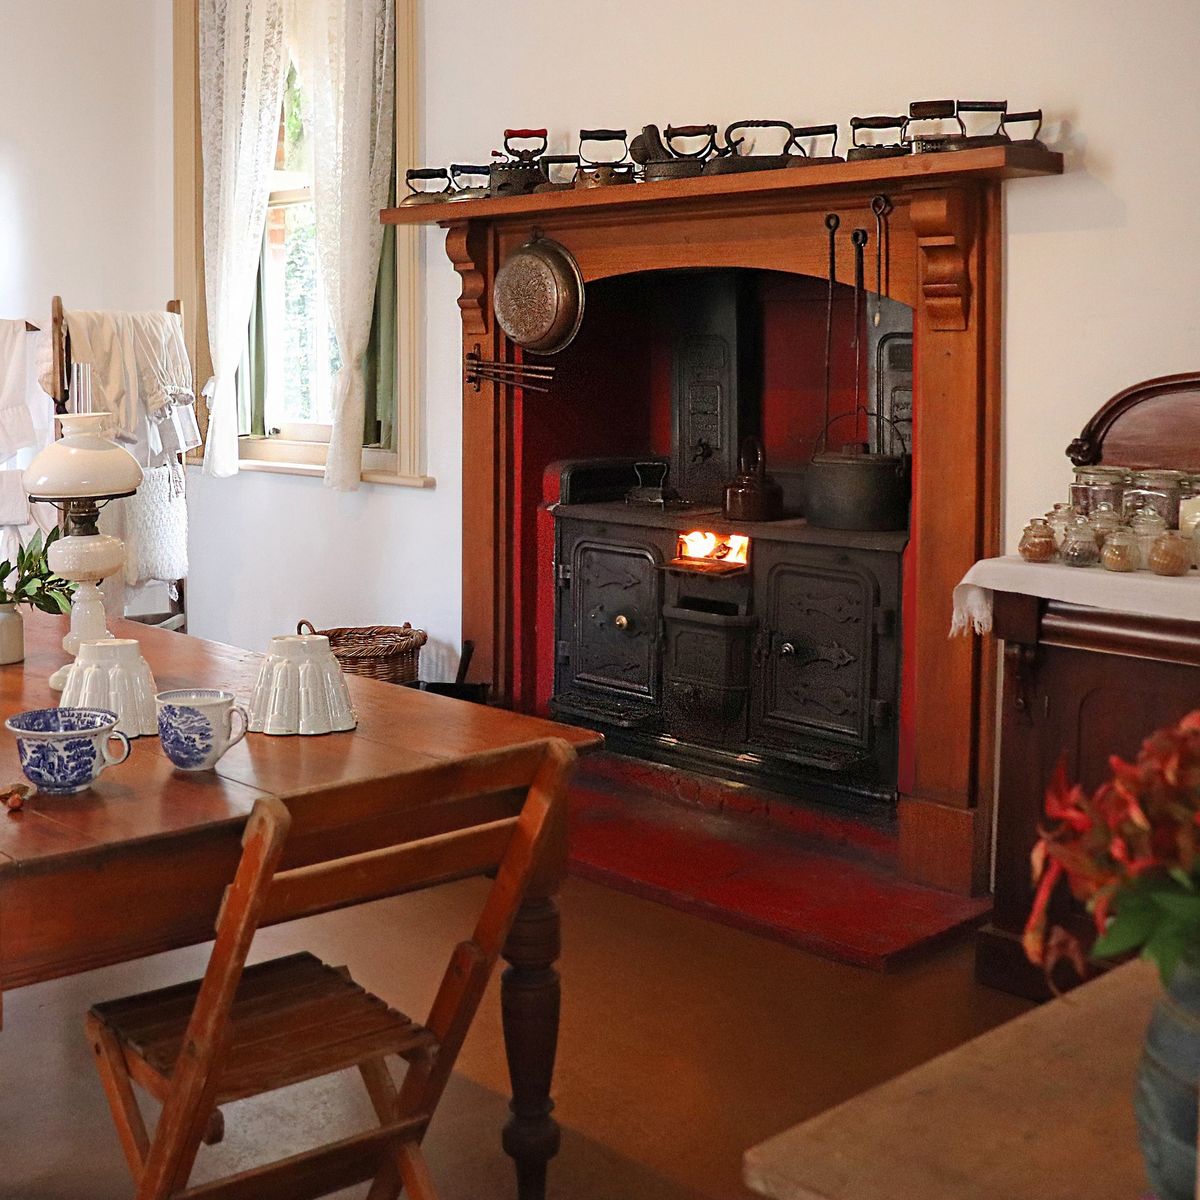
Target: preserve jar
{"points": [[1159, 490], [1171, 554], [1104, 520], [1147, 524], [1079, 547], [1121, 551], [1058, 518], [1037, 543], [1098, 485]]}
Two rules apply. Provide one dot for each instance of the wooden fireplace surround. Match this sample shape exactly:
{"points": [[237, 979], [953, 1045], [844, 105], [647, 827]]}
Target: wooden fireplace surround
{"points": [[946, 253]]}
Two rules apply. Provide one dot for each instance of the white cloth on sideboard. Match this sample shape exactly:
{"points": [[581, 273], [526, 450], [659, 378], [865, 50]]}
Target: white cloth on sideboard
{"points": [[1138, 592]]}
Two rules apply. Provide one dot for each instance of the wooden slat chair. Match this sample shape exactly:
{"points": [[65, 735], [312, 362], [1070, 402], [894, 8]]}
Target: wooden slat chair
{"points": [[240, 1032]]}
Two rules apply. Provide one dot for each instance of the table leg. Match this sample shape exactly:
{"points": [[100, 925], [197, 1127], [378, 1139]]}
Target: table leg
{"points": [[529, 999]]}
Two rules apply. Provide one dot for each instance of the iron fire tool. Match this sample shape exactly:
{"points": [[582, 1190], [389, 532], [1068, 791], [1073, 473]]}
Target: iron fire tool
{"points": [[528, 376], [832, 221], [881, 206], [859, 240]]}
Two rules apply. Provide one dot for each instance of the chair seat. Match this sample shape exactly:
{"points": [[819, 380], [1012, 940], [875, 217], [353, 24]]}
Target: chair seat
{"points": [[293, 1019]]}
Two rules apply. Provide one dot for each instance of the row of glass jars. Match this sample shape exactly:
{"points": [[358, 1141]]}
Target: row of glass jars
{"points": [[1103, 538], [1126, 490]]}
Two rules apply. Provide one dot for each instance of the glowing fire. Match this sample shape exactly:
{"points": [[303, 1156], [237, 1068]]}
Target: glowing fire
{"points": [[728, 547]]}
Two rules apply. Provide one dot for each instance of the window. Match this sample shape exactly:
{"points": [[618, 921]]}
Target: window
{"points": [[285, 381]]}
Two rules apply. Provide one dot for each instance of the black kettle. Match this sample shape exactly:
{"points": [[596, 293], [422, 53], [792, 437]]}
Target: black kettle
{"points": [[753, 495]]}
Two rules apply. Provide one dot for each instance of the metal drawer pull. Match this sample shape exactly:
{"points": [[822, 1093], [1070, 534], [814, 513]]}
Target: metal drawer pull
{"points": [[621, 621], [787, 649]]}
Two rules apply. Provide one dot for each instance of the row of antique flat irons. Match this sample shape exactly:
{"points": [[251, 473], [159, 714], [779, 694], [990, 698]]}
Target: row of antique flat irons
{"points": [[685, 151]]}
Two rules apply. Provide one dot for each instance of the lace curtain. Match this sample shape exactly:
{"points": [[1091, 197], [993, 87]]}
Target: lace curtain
{"points": [[344, 50], [243, 62]]}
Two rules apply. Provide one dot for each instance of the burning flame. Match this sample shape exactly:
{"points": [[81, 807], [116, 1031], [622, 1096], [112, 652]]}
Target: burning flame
{"points": [[730, 548]]}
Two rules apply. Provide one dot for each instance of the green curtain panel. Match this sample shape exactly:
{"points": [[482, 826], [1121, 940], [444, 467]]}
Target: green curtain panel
{"points": [[379, 364], [252, 370]]}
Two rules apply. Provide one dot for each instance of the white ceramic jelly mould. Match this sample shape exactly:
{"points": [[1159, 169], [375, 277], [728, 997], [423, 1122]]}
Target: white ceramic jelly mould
{"points": [[112, 674], [300, 689]]}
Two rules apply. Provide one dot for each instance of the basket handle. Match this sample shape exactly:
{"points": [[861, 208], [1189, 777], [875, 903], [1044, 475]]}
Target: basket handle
{"points": [[301, 624]]}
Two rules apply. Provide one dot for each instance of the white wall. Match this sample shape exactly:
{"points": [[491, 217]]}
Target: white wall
{"points": [[1101, 271], [85, 155]]}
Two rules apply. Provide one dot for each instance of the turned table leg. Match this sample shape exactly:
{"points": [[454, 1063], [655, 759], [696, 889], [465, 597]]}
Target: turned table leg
{"points": [[529, 998]]}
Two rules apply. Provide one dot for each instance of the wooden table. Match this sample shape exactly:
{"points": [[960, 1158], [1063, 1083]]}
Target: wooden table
{"points": [[1040, 1108], [137, 864]]}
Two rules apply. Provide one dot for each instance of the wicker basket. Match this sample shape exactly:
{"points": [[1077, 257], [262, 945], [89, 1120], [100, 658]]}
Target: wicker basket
{"points": [[388, 652]]}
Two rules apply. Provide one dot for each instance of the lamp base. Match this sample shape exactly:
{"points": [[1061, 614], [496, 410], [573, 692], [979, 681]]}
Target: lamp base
{"points": [[88, 624]]}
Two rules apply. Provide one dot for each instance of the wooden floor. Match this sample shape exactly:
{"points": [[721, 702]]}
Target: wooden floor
{"points": [[683, 1043]]}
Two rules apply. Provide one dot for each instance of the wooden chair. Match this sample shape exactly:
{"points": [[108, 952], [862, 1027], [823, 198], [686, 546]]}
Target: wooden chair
{"points": [[60, 357], [242, 1031]]}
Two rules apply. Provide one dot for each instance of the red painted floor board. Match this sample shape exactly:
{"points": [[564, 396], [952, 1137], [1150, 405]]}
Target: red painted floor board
{"points": [[757, 877]]}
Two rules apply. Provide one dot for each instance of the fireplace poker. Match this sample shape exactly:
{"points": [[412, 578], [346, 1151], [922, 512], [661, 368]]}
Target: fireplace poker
{"points": [[832, 221], [859, 239], [881, 206]]}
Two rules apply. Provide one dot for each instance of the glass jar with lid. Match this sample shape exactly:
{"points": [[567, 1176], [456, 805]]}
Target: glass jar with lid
{"points": [[1079, 547], [1104, 520], [1147, 523], [1037, 543], [1160, 490], [1121, 551], [1171, 554], [1058, 518], [1099, 485]]}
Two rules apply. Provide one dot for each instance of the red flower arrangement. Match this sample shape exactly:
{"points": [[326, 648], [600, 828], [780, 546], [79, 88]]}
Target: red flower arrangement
{"points": [[1128, 852]]}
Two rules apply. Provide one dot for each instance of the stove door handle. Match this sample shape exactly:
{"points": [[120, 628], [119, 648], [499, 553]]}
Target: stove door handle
{"points": [[622, 622], [787, 650]]}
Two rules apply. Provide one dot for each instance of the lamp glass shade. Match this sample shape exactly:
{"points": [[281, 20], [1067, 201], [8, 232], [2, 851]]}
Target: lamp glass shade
{"points": [[82, 464]]}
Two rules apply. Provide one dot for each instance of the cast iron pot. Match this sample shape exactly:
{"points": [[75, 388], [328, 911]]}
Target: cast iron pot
{"points": [[850, 489]]}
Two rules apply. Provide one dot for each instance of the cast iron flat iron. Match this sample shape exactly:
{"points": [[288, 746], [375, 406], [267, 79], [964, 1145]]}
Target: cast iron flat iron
{"points": [[932, 136], [426, 175], [867, 150]]}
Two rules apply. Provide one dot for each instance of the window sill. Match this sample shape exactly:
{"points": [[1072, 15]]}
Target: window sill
{"points": [[281, 457]]}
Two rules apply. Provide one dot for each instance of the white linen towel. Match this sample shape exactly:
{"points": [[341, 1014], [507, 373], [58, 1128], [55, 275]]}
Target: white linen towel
{"points": [[14, 503], [16, 424]]}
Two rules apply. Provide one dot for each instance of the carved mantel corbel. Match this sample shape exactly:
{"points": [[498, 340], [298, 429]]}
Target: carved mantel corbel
{"points": [[466, 247], [943, 225]]}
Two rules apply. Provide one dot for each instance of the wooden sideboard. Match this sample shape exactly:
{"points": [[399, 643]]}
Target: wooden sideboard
{"points": [[1083, 683]]}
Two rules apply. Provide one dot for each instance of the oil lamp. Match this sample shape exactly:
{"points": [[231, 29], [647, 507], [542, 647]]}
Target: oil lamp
{"points": [[79, 473]]}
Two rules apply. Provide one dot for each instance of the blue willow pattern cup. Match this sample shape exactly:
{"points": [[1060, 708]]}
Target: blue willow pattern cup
{"points": [[63, 749], [195, 726]]}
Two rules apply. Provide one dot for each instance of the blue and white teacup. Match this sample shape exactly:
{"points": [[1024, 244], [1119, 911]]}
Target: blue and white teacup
{"points": [[195, 726], [63, 749]]}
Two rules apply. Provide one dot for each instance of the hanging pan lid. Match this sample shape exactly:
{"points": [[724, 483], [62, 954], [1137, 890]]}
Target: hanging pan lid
{"points": [[538, 296]]}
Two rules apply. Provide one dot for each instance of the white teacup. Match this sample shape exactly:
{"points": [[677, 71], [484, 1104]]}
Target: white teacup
{"points": [[195, 726]]}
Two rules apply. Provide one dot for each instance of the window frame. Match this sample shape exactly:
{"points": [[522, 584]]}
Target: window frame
{"points": [[280, 454]]}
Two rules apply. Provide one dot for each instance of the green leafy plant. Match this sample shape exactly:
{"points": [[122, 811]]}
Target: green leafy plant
{"points": [[1131, 852], [30, 581]]}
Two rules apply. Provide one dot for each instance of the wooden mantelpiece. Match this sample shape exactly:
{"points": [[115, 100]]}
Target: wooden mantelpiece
{"points": [[887, 174], [946, 242]]}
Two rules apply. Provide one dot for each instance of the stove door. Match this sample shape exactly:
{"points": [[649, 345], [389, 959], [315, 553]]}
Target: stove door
{"points": [[817, 652], [615, 606]]}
